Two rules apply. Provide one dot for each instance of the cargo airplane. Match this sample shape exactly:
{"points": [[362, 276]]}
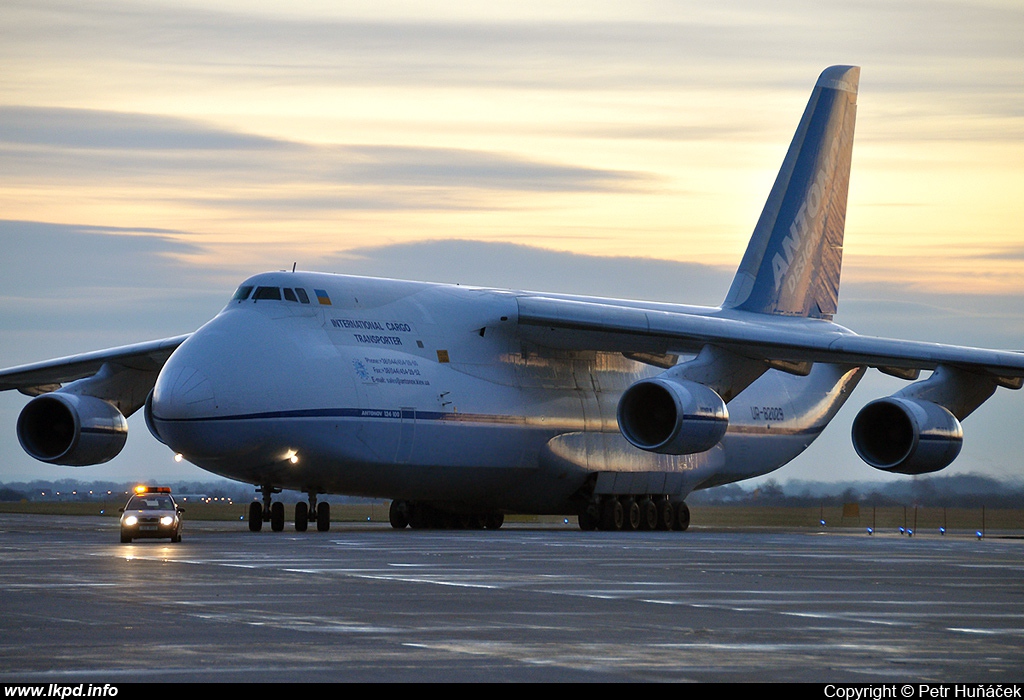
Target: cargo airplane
{"points": [[464, 404]]}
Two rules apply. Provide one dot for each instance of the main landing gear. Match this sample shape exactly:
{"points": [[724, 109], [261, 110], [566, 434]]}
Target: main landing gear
{"points": [[635, 513], [272, 511], [421, 516]]}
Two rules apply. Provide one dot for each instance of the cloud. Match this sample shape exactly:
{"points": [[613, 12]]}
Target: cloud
{"points": [[514, 266], [91, 147], [654, 45], [96, 285], [99, 129]]}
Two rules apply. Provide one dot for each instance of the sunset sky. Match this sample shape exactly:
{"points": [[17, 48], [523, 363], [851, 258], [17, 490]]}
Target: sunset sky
{"points": [[155, 153]]}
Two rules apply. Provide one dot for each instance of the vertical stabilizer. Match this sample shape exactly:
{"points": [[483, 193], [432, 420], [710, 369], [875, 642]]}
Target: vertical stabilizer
{"points": [[793, 261]]}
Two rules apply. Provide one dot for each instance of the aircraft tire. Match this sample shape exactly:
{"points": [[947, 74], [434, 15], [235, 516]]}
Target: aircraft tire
{"points": [[611, 515], [681, 521], [494, 521], [277, 516], [648, 514], [398, 515], [587, 519], [630, 514], [323, 517], [418, 518], [666, 514], [301, 516], [255, 516]]}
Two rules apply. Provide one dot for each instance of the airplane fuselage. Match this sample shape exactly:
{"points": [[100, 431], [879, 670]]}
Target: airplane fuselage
{"points": [[431, 392]]}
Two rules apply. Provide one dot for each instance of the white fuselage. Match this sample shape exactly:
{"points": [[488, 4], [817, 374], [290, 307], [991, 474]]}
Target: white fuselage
{"points": [[431, 392]]}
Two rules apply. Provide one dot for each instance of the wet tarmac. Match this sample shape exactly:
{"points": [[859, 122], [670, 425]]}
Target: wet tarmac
{"points": [[527, 603]]}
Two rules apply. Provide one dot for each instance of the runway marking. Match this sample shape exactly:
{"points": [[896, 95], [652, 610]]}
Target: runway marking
{"points": [[969, 630], [9, 586]]}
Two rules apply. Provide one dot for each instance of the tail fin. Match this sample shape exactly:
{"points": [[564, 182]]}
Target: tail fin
{"points": [[795, 255]]}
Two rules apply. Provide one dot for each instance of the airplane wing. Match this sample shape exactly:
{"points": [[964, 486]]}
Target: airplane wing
{"points": [[564, 323], [136, 366]]}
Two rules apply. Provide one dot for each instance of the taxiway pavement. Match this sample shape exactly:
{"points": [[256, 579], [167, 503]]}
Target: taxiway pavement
{"points": [[526, 603]]}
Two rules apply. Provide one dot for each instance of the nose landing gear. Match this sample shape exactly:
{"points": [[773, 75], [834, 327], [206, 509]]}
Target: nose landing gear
{"points": [[273, 512]]}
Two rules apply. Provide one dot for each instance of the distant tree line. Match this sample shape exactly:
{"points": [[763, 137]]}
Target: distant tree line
{"points": [[960, 491]]}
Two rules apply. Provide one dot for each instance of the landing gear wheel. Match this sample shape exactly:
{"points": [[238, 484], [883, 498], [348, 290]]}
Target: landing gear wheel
{"points": [[398, 514], [611, 515], [666, 514], [301, 517], [277, 516], [681, 521], [418, 517], [648, 514], [323, 517], [630, 514], [255, 516], [588, 519], [494, 521]]}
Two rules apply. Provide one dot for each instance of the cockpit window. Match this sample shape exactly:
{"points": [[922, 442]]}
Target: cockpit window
{"points": [[267, 293], [271, 293]]}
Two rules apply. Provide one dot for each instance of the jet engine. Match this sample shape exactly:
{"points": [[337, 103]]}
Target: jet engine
{"points": [[907, 436], [71, 429], [670, 416]]}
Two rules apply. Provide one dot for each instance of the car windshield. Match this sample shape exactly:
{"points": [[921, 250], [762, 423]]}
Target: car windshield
{"points": [[150, 502]]}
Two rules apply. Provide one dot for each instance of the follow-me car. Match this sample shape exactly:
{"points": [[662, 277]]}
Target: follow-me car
{"points": [[151, 512], [463, 404]]}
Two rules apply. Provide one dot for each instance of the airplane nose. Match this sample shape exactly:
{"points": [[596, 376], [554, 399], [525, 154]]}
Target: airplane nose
{"points": [[215, 393], [183, 392], [183, 398]]}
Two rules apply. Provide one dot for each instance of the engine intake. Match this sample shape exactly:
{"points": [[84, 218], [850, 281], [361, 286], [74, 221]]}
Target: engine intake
{"points": [[907, 436], [675, 417], [72, 430]]}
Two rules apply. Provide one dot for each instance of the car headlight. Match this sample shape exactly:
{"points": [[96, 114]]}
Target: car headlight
{"points": [[167, 520], [131, 520]]}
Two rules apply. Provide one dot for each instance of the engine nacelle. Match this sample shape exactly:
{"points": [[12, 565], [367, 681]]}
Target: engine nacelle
{"points": [[907, 436], [71, 430], [676, 417]]}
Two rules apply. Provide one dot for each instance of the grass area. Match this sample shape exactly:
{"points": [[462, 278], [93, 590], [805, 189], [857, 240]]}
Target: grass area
{"points": [[882, 519], [919, 519]]}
